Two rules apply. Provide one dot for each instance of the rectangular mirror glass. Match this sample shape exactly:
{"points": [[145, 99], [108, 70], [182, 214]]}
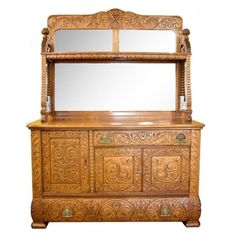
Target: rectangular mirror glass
{"points": [[147, 41], [83, 40], [115, 87]]}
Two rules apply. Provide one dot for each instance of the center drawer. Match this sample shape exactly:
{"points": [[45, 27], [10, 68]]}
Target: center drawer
{"points": [[142, 137]]}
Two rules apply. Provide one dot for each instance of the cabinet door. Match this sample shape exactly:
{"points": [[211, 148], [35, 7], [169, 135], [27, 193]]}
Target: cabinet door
{"points": [[118, 169], [166, 170], [65, 161]]}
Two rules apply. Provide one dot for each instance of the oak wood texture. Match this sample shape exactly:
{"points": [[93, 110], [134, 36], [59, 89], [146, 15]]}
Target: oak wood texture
{"points": [[115, 57], [159, 174], [115, 166], [121, 123]]}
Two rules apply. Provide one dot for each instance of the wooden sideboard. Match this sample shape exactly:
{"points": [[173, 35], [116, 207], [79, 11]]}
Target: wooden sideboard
{"points": [[115, 166]]}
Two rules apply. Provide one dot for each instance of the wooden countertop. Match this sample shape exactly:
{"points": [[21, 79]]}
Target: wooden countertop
{"points": [[114, 124]]}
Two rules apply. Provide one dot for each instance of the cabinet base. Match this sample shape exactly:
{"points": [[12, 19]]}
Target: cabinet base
{"points": [[195, 223], [39, 225], [186, 210]]}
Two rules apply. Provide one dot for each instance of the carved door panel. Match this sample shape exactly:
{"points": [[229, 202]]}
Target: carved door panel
{"points": [[166, 170], [65, 161], [118, 169]]}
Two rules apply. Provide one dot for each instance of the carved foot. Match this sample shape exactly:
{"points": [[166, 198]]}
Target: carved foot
{"points": [[39, 225], [194, 223]]}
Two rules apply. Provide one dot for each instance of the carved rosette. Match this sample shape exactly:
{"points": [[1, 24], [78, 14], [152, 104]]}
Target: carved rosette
{"points": [[116, 210]]}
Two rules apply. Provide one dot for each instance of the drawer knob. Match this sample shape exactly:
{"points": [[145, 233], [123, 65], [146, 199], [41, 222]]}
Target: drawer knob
{"points": [[67, 212], [165, 210], [181, 137], [142, 135], [105, 138]]}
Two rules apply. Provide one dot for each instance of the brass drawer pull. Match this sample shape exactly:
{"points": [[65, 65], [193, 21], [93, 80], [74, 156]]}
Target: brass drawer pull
{"points": [[142, 135], [105, 138], [67, 213], [165, 210], [181, 137]]}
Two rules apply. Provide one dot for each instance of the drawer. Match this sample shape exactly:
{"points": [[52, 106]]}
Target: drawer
{"points": [[120, 209], [142, 137]]}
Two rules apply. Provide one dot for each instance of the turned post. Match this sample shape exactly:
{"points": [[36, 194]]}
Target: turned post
{"points": [[44, 45], [186, 73]]}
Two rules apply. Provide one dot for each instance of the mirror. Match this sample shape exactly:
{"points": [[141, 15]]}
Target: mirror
{"points": [[147, 41], [83, 40], [115, 87]]}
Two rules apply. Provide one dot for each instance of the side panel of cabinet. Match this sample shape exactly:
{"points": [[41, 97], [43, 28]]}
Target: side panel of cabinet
{"points": [[118, 169], [65, 161], [166, 170]]}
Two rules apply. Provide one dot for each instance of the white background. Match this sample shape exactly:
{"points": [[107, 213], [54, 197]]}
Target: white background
{"points": [[212, 25]]}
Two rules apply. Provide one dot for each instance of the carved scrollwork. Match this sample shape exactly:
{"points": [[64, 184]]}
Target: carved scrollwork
{"points": [[114, 19], [65, 166], [161, 209], [117, 169], [166, 170], [36, 163], [142, 137], [65, 161], [195, 154], [117, 209], [65, 210]]}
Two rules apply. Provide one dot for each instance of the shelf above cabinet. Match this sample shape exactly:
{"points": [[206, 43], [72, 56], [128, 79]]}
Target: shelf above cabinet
{"points": [[77, 57]]}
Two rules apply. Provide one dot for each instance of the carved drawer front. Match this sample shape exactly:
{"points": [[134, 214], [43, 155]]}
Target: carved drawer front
{"points": [[118, 169], [142, 137], [120, 209], [166, 170], [65, 161]]}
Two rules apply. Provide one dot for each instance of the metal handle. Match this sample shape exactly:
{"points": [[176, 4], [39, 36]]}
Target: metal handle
{"points": [[142, 135], [181, 137], [67, 212], [105, 138], [165, 210]]}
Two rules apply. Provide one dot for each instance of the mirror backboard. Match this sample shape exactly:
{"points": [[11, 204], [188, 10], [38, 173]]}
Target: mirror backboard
{"points": [[115, 87]]}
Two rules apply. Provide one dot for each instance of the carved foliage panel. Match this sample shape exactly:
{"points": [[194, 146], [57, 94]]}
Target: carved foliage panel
{"points": [[114, 19], [142, 137], [65, 161], [195, 162], [166, 170], [117, 169], [36, 163], [125, 209]]}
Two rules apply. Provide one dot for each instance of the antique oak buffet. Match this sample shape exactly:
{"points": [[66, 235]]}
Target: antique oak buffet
{"points": [[121, 165]]}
